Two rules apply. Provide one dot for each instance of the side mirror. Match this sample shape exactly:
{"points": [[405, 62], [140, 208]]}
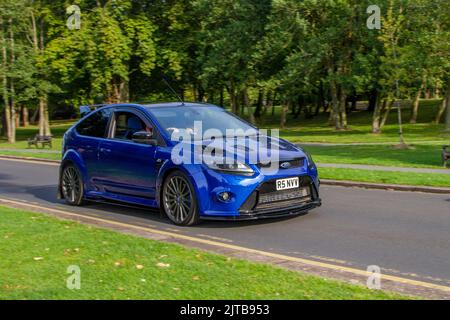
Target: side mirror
{"points": [[144, 137]]}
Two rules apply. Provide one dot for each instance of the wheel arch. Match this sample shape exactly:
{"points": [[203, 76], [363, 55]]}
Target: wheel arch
{"points": [[190, 172]]}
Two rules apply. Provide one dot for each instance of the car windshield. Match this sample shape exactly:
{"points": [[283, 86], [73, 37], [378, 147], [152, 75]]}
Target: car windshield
{"points": [[184, 118]]}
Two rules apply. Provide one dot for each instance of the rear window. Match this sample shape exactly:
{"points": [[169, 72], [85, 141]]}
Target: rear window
{"points": [[95, 125]]}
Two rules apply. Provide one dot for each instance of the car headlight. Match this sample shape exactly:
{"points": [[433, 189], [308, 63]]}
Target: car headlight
{"points": [[233, 168], [311, 164]]}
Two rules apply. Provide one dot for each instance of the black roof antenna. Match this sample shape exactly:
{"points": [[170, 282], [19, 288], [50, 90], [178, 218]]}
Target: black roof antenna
{"points": [[171, 89]]}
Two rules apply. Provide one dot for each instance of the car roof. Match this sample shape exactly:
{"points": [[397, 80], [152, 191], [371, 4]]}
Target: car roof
{"points": [[176, 104]]}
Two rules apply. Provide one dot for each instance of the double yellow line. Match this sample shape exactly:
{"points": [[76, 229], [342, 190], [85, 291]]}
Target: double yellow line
{"points": [[303, 261]]}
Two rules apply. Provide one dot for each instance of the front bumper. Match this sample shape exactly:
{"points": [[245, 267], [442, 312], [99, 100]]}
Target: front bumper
{"points": [[266, 202], [269, 214]]}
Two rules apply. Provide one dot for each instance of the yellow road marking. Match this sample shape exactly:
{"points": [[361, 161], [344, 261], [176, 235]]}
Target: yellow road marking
{"points": [[236, 247]]}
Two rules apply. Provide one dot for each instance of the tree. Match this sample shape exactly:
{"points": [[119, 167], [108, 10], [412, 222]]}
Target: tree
{"points": [[14, 60], [230, 31]]}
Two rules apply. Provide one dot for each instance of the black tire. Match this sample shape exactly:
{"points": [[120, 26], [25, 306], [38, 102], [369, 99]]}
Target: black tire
{"points": [[72, 188], [179, 201]]}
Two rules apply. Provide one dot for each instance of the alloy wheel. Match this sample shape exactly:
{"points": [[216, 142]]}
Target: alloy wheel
{"points": [[71, 186], [178, 200]]}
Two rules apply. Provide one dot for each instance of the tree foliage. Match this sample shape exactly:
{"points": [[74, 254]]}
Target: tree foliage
{"points": [[309, 56]]}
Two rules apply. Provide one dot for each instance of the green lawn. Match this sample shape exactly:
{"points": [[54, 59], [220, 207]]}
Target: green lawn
{"points": [[36, 250], [399, 178], [418, 156], [51, 156], [317, 129]]}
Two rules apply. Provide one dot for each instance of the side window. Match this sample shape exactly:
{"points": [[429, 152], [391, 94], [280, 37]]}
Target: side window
{"points": [[95, 125], [127, 124]]}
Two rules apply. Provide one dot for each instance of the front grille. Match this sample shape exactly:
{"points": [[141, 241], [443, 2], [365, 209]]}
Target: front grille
{"points": [[266, 197], [283, 204], [288, 164], [283, 196]]}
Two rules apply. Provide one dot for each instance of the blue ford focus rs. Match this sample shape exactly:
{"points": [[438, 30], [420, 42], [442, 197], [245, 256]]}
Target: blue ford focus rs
{"points": [[126, 153]]}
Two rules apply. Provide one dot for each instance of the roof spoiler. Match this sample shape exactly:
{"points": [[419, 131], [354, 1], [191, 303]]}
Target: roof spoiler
{"points": [[85, 110]]}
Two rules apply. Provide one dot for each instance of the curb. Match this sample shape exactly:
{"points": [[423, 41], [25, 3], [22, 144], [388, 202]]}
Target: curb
{"points": [[380, 186], [340, 183]]}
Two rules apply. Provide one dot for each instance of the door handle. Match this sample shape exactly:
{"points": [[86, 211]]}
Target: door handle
{"points": [[105, 150]]}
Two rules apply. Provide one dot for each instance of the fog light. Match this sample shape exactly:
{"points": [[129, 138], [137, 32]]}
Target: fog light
{"points": [[224, 196]]}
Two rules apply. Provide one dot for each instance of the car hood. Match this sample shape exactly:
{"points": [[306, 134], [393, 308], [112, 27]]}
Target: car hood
{"points": [[247, 148]]}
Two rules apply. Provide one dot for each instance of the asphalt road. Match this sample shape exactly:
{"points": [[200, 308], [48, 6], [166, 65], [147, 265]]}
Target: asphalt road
{"points": [[406, 234]]}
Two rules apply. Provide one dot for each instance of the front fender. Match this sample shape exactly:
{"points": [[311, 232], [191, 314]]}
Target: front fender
{"points": [[193, 172]]}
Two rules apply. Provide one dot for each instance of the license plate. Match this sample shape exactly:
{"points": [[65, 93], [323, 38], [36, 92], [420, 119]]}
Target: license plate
{"points": [[286, 184]]}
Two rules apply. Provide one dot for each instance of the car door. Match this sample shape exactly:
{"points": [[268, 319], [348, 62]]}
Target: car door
{"points": [[89, 133], [127, 168]]}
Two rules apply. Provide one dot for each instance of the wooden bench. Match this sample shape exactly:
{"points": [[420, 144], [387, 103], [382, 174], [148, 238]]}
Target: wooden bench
{"points": [[40, 140], [445, 154]]}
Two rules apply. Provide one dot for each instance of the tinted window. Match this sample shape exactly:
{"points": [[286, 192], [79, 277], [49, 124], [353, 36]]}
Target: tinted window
{"points": [[127, 124], [95, 125]]}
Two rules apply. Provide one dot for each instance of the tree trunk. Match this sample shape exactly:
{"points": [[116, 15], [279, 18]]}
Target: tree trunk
{"points": [[35, 115], [353, 103], [38, 44], [44, 125], [447, 118], [299, 107], [47, 130], [373, 100], [415, 107], [25, 117], [343, 110], [3, 125], [284, 112], [18, 118], [41, 116], [269, 102], [259, 105], [246, 105], [376, 118], [386, 113], [444, 106], [334, 115], [12, 91], [233, 97], [6, 101], [320, 103], [124, 91]]}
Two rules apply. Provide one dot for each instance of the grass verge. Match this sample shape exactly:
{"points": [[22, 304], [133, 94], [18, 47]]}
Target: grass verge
{"points": [[36, 250], [398, 178], [418, 156], [37, 155]]}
